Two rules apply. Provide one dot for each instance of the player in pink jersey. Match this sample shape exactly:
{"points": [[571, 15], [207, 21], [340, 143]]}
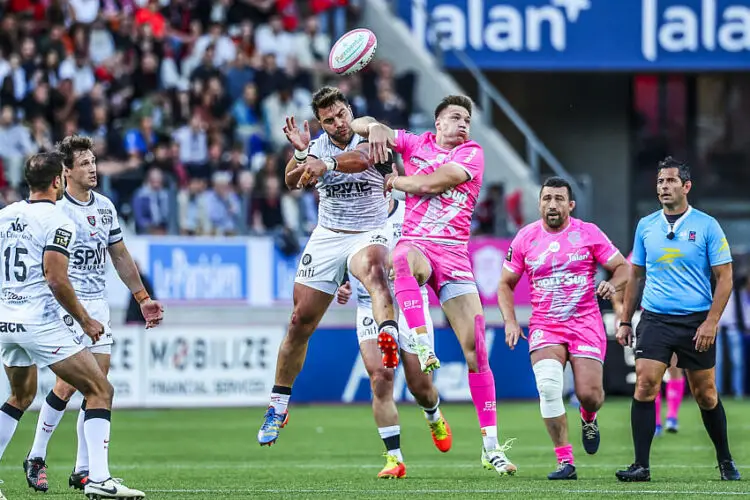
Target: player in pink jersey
{"points": [[442, 182], [560, 256], [675, 377]]}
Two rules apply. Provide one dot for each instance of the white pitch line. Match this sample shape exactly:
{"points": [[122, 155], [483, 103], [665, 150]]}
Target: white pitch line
{"points": [[415, 464], [404, 491]]}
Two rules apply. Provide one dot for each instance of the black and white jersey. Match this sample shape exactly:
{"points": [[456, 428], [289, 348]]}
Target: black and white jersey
{"points": [[97, 227], [28, 229], [351, 202]]}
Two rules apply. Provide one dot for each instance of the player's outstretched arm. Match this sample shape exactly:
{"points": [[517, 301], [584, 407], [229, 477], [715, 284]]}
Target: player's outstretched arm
{"points": [[312, 169], [508, 282], [56, 274], [441, 180], [152, 311], [380, 137]]}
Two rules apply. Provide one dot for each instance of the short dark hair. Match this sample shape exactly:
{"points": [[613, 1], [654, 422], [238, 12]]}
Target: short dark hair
{"points": [[453, 100], [557, 182], [326, 97], [683, 169], [41, 169], [71, 145]]}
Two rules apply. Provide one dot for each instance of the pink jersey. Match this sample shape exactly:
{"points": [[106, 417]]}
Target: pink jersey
{"points": [[447, 216], [561, 268]]}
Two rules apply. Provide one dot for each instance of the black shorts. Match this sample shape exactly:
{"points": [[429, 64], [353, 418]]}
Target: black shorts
{"points": [[659, 335]]}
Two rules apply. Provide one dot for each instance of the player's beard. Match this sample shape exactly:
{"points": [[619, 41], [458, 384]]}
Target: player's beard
{"points": [[555, 220]]}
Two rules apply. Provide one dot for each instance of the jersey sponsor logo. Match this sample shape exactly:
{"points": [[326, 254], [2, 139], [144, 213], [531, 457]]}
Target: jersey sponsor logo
{"points": [[555, 282], [68, 320], [89, 258], [378, 239], [576, 257], [92, 220], [306, 259], [724, 245], [574, 237], [509, 255], [456, 196], [349, 190], [367, 321], [12, 328], [536, 337], [62, 238], [12, 298], [554, 246], [18, 226], [670, 255]]}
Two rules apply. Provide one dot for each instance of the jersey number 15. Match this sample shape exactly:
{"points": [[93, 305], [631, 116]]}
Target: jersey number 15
{"points": [[19, 266]]}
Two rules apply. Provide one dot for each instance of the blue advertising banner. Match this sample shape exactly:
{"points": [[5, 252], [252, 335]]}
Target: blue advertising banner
{"points": [[185, 270], [334, 370], [589, 35]]}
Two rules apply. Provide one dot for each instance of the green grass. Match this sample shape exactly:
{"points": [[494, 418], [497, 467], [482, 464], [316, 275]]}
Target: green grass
{"points": [[335, 452]]}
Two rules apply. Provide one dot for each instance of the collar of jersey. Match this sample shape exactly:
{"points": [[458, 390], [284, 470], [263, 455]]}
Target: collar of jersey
{"points": [[39, 201], [673, 227], [76, 202]]}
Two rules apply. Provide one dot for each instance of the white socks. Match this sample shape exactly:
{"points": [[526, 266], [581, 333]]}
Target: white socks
{"points": [[96, 428], [82, 455], [50, 415]]}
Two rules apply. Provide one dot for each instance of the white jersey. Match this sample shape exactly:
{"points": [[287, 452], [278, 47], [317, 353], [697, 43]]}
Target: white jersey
{"points": [[97, 228], [349, 202], [28, 229], [393, 225]]}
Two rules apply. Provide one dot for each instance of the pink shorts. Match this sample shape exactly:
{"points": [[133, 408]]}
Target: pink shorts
{"points": [[583, 340], [449, 263]]}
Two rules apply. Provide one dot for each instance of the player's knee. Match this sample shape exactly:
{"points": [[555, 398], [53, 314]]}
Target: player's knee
{"points": [[591, 398], [301, 325], [381, 381], [706, 397], [549, 383], [63, 390], [646, 388]]}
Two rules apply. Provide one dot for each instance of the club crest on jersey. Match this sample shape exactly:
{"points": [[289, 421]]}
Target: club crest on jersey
{"points": [[92, 220], [574, 237], [691, 236]]}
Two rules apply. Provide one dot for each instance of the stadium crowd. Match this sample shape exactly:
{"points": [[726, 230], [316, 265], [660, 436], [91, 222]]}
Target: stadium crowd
{"points": [[186, 101]]}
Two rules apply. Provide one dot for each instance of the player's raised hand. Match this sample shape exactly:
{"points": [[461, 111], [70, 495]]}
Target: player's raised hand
{"points": [[300, 139], [380, 140], [625, 335], [513, 332], [606, 290], [153, 312], [309, 172], [344, 293], [705, 336], [93, 329]]}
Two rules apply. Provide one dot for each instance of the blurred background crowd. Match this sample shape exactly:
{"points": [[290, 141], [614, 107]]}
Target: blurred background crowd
{"points": [[186, 101]]}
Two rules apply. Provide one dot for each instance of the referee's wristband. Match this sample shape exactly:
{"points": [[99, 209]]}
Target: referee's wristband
{"points": [[626, 323], [300, 155]]}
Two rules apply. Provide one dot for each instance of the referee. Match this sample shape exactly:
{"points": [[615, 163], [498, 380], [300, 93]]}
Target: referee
{"points": [[675, 251]]}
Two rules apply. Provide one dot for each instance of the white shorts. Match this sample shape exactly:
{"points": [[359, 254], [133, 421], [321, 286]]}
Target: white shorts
{"points": [[327, 255], [367, 328], [99, 310], [41, 345]]}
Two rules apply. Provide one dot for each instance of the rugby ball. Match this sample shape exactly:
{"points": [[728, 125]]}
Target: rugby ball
{"points": [[352, 52]]}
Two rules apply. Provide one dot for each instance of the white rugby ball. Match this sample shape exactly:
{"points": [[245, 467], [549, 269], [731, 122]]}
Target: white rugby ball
{"points": [[353, 51]]}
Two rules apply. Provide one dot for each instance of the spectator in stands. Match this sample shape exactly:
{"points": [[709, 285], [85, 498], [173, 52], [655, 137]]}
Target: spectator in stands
{"points": [[224, 206], [282, 103], [246, 188], [491, 216], [79, 69], [267, 214], [139, 141], [192, 141], [272, 39], [15, 145], [313, 46], [151, 205], [239, 75], [192, 204]]}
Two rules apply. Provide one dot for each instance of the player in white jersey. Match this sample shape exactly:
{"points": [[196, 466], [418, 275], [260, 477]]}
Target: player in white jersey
{"points": [[381, 378], [98, 234], [349, 235], [36, 238]]}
